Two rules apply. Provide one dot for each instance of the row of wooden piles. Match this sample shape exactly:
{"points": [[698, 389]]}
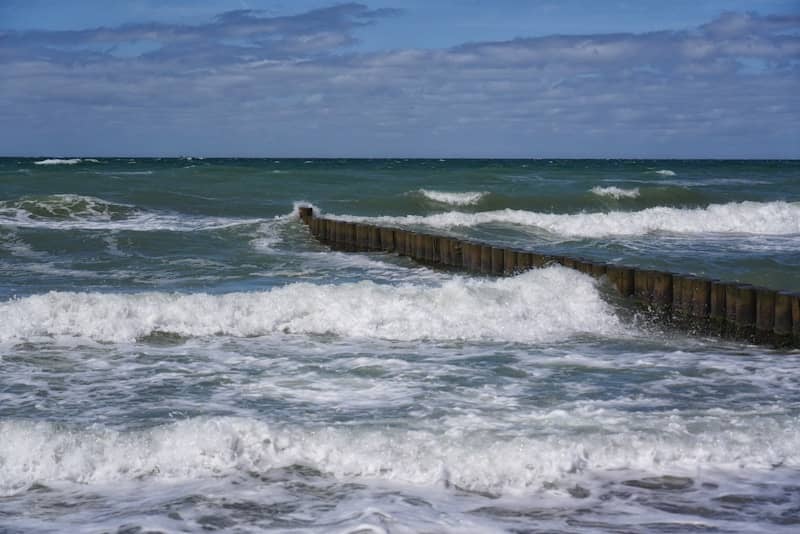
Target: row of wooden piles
{"points": [[699, 305]]}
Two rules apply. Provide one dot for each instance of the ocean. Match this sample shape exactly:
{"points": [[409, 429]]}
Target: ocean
{"points": [[178, 354]]}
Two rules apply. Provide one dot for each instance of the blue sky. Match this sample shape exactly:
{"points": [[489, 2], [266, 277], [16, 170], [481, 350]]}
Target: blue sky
{"points": [[451, 78]]}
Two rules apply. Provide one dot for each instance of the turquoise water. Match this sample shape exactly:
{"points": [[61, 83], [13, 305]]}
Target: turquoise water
{"points": [[179, 354]]}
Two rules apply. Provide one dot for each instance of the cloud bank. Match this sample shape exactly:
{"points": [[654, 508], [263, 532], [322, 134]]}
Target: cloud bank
{"points": [[250, 84]]}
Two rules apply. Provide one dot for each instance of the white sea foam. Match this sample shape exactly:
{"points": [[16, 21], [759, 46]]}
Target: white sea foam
{"points": [[209, 447], [665, 172], [267, 235], [64, 207], [767, 218], [71, 212], [452, 198], [538, 306], [615, 192], [64, 161]]}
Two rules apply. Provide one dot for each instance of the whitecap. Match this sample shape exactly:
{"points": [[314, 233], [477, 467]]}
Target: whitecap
{"points": [[508, 309], [615, 192], [465, 198], [765, 218], [47, 453], [58, 161]]}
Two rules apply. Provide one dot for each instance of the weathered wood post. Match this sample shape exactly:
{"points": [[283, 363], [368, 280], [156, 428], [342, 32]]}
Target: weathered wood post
{"points": [[509, 262], [498, 261], [765, 315], [305, 213], [387, 240], [745, 312], [661, 295]]}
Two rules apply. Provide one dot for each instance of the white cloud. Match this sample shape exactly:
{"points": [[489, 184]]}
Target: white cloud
{"points": [[687, 93]]}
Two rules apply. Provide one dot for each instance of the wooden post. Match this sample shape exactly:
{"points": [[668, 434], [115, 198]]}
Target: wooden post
{"points": [[457, 252], [539, 260], [419, 249], [509, 262], [401, 239], [716, 310], [598, 269], [745, 312], [362, 237], [305, 214], [682, 298], [585, 266], [445, 254], [783, 318], [661, 294], [427, 248], [701, 295], [765, 315], [352, 239], [486, 259], [731, 299], [524, 261], [324, 229], [622, 278], [374, 237], [498, 261], [642, 284], [387, 240]]}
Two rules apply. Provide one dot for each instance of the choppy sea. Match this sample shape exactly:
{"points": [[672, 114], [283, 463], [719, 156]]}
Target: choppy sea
{"points": [[178, 354]]}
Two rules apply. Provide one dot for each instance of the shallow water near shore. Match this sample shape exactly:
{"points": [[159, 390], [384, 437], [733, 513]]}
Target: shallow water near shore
{"points": [[179, 354]]}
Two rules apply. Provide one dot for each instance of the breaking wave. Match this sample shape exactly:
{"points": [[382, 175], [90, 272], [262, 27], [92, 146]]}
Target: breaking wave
{"points": [[767, 218], [665, 172], [32, 453], [65, 207], [454, 199], [615, 192], [78, 212], [538, 306], [64, 161]]}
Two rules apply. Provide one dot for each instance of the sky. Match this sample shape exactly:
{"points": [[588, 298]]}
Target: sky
{"points": [[415, 78]]}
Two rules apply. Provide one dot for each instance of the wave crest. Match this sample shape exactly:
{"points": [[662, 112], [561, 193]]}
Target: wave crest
{"points": [[766, 218], [204, 447], [64, 161], [64, 207], [466, 198], [615, 192], [538, 306]]}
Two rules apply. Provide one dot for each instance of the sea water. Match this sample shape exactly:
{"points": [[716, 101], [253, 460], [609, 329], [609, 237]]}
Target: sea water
{"points": [[179, 354]]}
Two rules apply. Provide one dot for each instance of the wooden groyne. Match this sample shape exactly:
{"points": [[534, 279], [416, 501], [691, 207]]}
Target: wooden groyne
{"points": [[690, 303]]}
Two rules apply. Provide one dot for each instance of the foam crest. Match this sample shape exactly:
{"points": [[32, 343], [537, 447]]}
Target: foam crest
{"points": [[65, 161], [466, 198], [64, 207], [665, 172], [767, 218], [615, 192], [44, 453], [79, 212], [538, 306]]}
